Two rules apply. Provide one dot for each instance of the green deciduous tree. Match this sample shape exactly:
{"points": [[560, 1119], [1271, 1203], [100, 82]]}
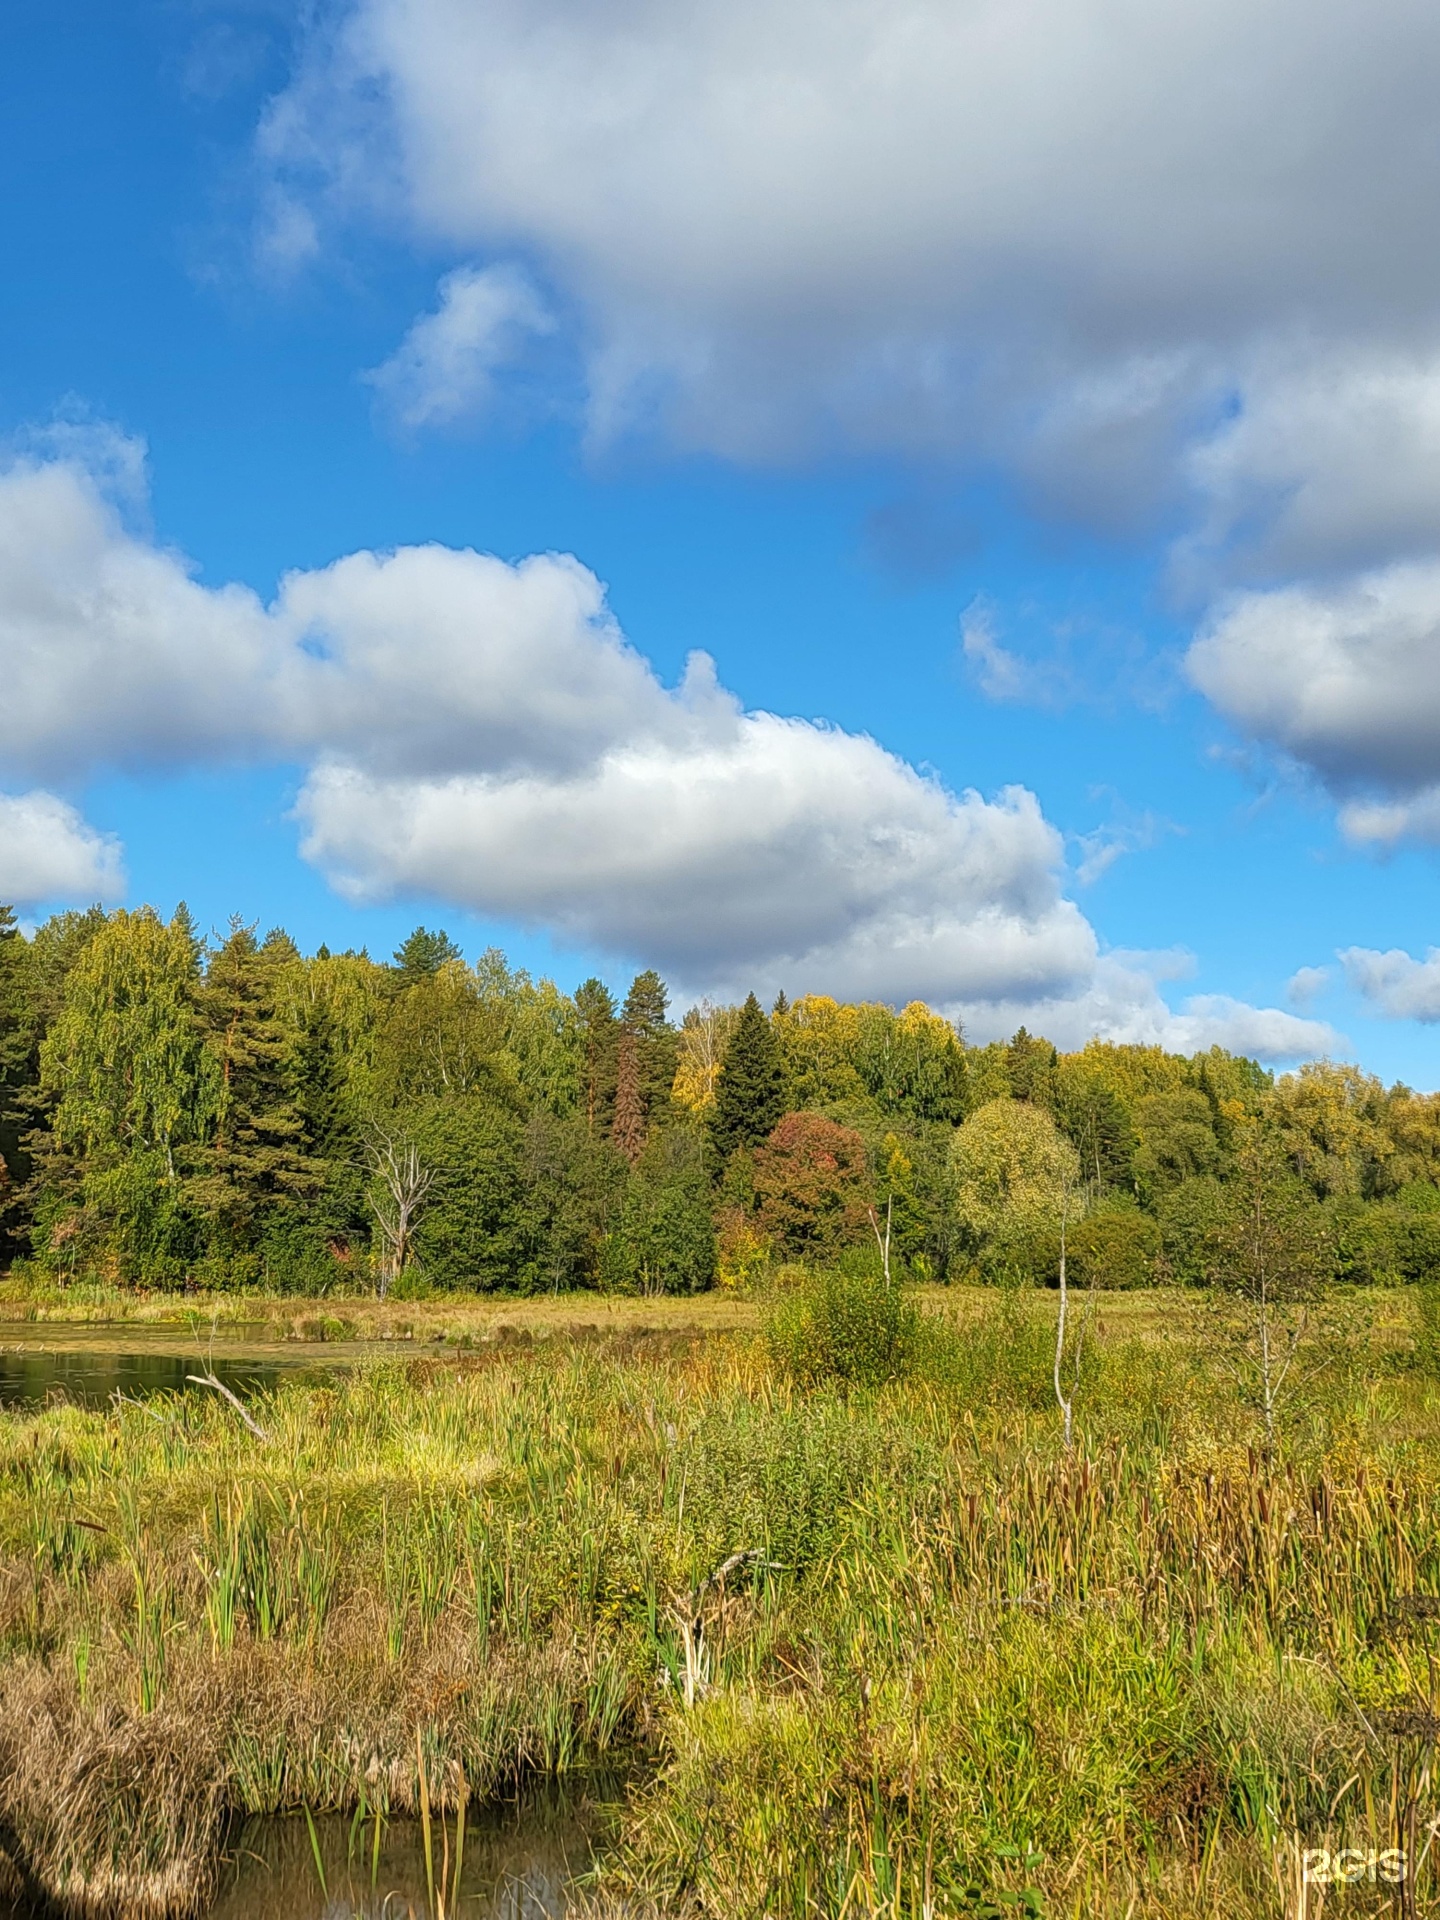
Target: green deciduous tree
{"points": [[479, 1227], [1270, 1256], [134, 1092], [662, 1238], [126, 1056]]}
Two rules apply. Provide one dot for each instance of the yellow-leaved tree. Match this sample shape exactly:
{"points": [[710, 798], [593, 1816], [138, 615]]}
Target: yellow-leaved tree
{"points": [[1015, 1176]]}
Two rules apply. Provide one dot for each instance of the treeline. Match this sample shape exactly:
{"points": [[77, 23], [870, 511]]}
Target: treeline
{"points": [[183, 1112]]}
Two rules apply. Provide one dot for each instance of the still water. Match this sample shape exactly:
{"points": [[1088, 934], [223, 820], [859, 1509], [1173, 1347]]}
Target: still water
{"points": [[518, 1863], [90, 1365]]}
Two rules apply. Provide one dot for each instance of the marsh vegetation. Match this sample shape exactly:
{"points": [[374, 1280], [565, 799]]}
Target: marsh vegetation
{"points": [[864, 1636]]}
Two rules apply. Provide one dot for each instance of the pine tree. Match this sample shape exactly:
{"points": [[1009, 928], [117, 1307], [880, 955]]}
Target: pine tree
{"points": [[750, 1092], [425, 952], [657, 1044], [645, 1004], [256, 1158], [600, 1032], [630, 1126]]}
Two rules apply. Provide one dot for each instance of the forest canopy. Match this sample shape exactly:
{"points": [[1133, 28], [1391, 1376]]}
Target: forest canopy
{"points": [[177, 1111]]}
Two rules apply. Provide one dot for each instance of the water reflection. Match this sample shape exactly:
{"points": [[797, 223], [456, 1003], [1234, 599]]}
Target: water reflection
{"points": [[28, 1378], [519, 1861]]}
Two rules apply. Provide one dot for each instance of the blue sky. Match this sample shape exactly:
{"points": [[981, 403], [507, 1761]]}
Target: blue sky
{"points": [[949, 439]]}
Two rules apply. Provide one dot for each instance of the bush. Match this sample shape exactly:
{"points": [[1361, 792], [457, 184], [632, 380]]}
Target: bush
{"points": [[1005, 1359], [844, 1323], [1427, 1345], [1115, 1246]]}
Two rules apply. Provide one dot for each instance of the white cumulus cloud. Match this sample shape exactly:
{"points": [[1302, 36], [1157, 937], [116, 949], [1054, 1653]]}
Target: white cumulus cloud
{"points": [[1345, 677], [808, 851], [1057, 227], [483, 732], [47, 852], [1122, 1002], [444, 369], [1179, 262], [1394, 983]]}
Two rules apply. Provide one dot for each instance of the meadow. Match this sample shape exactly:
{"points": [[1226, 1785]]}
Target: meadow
{"points": [[860, 1645]]}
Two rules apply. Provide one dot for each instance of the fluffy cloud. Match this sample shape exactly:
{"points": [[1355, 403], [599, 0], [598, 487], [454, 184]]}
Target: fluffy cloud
{"points": [[1122, 1002], [47, 852], [809, 852], [1325, 461], [1395, 984], [483, 733], [112, 654], [444, 369], [912, 223], [1061, 238], [1306, 985], [1345, 677]]}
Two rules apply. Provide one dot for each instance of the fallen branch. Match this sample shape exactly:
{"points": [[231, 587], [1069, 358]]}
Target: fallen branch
{"points": [[688, 1613], [218, 1386]]}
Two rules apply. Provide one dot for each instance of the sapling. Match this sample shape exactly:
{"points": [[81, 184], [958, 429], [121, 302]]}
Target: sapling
{"points": [[1270, 1258]]}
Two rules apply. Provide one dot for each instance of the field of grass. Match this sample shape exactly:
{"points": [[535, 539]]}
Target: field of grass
{"points": [[883, 1651]]}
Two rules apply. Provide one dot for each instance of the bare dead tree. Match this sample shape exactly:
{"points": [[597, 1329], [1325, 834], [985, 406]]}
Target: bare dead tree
{"points": [[882, 1241], [1066, 1398], [1066, 1401], [398, 1190]]}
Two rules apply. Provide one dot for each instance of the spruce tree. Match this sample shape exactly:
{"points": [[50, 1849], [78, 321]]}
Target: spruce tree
{"points": [[750, 1092]]}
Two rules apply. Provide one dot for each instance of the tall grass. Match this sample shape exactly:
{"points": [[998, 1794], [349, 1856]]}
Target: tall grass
{"points": [[869, 1649]]}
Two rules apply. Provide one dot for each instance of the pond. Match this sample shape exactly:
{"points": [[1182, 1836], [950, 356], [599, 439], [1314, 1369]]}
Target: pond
{"points": [[88, 1366], [517, 1863]]}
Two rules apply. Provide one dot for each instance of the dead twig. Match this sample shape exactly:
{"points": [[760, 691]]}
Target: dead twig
{"points": [[688, 1613], [218, 1386]]}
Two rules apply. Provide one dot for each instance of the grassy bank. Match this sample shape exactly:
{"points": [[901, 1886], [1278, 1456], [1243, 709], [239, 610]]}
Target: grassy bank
{"points": [[1149, 1315], [945, 1662]]}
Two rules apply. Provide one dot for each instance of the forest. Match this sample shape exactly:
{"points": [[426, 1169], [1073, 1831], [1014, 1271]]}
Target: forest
{"points": [[184, 1112]]}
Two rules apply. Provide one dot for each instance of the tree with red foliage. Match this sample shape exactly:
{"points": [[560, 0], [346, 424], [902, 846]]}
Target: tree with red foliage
{"points": [[813, 1186]]}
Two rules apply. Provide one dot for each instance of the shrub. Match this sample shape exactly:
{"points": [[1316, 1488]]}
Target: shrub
{"points": [[1115, 1246], [1002, 1360], [843, 1323], [1427, 1346]]}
